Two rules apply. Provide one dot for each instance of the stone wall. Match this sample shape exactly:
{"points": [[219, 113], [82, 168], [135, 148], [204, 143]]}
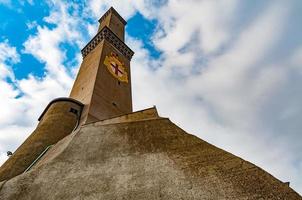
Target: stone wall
{"points": [[145, 159], [57, 122]]}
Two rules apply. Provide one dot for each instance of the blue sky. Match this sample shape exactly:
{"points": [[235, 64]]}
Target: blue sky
{"points": [[231, 70], [23, 18], [15, 30]]}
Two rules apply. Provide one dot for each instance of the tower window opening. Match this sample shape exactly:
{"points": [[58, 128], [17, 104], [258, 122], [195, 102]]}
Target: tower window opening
{"points": [[118, 82], [113, 103], [74, 111]]}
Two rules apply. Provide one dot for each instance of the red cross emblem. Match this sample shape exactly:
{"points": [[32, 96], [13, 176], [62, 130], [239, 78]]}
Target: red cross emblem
{"points": [[116, 67]]}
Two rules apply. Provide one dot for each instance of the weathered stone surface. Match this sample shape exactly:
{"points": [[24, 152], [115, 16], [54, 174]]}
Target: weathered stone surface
{"points": [[149, 159], [104, 95], [150, 113], [56, 123]]}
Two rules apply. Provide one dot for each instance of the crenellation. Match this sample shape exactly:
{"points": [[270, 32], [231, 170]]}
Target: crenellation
{"points": [[108, 35]]}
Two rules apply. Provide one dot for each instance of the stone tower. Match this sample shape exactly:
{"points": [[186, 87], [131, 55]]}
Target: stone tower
{"points": [[92, 146], [103, 83]]}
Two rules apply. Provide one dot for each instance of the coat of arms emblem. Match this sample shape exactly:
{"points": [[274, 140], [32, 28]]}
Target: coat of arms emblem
{"points": [[116, 67]]}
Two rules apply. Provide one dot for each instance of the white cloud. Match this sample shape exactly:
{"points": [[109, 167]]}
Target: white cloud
{"points": [[235, 83], [45, 46], [48, 40], [5, 2], [8, 55], [125, 8], [181, 19], [31, 25], [10, 108], [296, 60], [231, 102], [19, 115]]}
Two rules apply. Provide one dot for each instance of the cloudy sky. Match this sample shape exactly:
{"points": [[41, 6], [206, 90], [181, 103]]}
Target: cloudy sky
{"points": [[228, 71]]}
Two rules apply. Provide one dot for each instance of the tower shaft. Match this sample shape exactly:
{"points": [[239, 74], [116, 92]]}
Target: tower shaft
{"points": [[103, 83]]}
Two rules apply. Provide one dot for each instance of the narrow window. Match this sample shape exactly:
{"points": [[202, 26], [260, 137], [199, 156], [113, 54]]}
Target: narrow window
{"points": [[74, 111]]}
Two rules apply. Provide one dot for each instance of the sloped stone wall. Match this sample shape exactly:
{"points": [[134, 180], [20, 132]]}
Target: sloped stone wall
{"points": [[152, 159]]}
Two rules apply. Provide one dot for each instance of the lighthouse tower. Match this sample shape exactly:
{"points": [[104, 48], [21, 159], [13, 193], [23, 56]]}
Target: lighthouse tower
{"points": [[91, 145]]}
